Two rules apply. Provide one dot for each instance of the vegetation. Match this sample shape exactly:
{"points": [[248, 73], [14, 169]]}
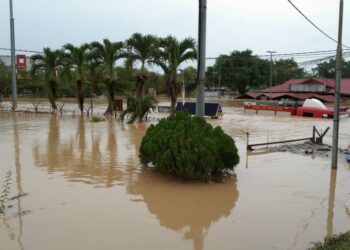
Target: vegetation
{"points": [[189, 148], [91, 70], [76, 58], [337, 242], [108, 53], [5, 191], [242, 71], [327, 69], [171, 54], [138, 108], [141, 49], [48, 64], [97, 119]]}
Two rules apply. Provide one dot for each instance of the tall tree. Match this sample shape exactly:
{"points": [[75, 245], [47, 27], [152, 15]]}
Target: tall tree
{"points": [[241, 71], [5, 79], [327, 69], [286, 69], [48, 65], [108, 53], [141, 49], [77, 59], [171, 54]]}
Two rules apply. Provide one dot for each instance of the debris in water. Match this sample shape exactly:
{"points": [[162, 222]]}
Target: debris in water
{"points": [[22, 213], [20, 195]]}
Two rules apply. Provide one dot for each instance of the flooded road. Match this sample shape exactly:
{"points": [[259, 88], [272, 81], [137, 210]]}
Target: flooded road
{"points": [[84, 188]]}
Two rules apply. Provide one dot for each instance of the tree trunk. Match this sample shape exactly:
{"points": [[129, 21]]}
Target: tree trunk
{"points": [[80, 95], [110, 96], [52, 88], [140, 83], [173, 98], [95, 89]]}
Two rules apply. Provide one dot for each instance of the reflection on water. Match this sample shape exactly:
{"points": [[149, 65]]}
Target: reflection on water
{"points": [[73, 157], [18, 179], [331, 198], [47, 153], [185, 206]]}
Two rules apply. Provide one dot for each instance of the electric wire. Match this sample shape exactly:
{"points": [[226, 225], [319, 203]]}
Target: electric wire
{"points": [[313, 24], [23, 50]]}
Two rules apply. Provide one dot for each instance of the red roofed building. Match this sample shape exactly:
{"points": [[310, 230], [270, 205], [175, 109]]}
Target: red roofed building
{"points": [[301, 89]]}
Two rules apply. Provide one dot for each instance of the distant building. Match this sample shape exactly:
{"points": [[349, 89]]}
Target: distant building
{"points": [[301, 89], [23, 62]]}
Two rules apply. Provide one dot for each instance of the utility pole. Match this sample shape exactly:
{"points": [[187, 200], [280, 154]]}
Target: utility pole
{"points": [[220, 81], [13, 59], [270, 52], [337, 88], [201, 57]]}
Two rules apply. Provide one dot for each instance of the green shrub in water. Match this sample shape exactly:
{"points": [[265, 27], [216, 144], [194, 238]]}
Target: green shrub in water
{"points": [[138, 108], [189, 148], [336, 242], [97, 119]]}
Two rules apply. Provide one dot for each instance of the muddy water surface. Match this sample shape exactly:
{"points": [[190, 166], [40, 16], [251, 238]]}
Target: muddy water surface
{"points": [[85, 189]]}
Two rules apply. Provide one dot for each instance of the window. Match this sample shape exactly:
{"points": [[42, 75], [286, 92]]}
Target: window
{"points": [[307, 88]]}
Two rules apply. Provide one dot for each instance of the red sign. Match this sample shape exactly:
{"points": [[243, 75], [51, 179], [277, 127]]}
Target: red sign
{"points": [[21, 62]]}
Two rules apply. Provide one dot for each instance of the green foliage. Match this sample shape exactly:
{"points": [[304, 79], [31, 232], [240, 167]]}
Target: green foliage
{"points": [[169, 56], [341, 241], [327, 69], [5, 79], [189, 148], [138, 108], [5, 191], [97, 119], [286, 69], [190, 75], [242, 71]]}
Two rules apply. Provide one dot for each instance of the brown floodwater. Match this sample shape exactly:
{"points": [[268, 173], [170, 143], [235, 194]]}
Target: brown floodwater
{"points": [[84, 188]]}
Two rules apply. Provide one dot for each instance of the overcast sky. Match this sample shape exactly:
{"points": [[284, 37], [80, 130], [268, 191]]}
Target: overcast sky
{"points": [[232, 24]]}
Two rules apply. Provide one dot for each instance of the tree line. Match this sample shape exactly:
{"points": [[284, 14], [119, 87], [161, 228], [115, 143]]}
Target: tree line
{"points": [[109, 67], [96, 63], [242, 71]]}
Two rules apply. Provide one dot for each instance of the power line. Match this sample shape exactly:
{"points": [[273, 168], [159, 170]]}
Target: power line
{"points": [[23, 50], [315, 61], [296, 54], [313, 24]]}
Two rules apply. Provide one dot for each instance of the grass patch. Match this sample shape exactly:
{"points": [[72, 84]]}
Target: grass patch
{"points": [[336, 242], [97, 119]]}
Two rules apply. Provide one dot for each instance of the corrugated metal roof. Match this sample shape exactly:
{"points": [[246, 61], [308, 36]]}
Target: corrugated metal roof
{"points": [[330, 83]]}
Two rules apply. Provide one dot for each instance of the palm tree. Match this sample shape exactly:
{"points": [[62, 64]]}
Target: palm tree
{"points": [[138, 108], [140, 49], [108, 53], [95, 72], [171, 54], [48, 64], [77, 60]]}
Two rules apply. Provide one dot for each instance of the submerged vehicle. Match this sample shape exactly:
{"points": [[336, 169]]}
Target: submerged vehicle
{"points": [[309, 108]]}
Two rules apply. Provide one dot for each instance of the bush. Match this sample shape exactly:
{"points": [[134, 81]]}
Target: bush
{"points": [[189, 148], [97, 119], [341, 241], [138, 109]]}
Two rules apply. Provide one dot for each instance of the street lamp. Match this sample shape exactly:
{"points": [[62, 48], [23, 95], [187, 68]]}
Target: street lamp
{"points": [[13, 59], [271, 52]]}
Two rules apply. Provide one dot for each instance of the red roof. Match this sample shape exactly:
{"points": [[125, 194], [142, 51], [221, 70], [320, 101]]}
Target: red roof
{"points": [[252, 94], [284, 87]]}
